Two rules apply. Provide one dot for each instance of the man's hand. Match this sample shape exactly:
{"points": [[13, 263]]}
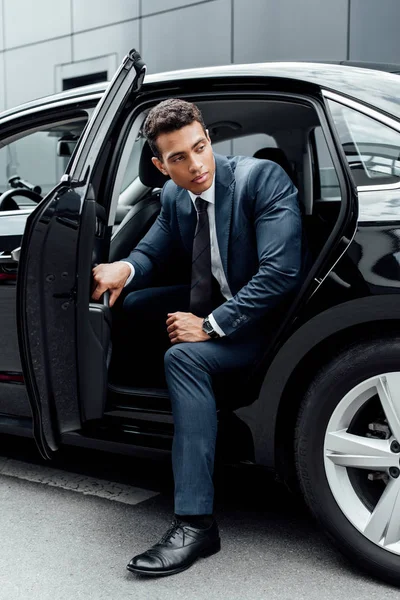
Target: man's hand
{"points": [[111, 277], [185, 327]]}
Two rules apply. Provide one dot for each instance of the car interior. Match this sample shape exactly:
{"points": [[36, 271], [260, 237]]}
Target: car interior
{"points": [[295, 142], [285, 132]]}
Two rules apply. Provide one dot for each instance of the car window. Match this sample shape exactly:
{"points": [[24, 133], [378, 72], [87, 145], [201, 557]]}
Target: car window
{"points": [[132, 168], [38, 159], [371, 148], [246, 145]]}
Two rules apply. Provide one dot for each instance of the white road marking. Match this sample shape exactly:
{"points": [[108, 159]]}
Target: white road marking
{"points": [[74, 482]]}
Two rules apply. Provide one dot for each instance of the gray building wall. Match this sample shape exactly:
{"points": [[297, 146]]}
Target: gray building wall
{"points": [[43, 42]]}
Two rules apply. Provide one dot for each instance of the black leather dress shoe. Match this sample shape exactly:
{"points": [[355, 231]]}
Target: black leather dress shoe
{"points": [[177, 550]]}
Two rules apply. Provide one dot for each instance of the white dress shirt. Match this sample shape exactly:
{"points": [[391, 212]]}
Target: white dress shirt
{"points": [[216, 263]]}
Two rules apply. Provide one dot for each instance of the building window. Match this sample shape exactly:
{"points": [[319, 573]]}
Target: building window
{"points": [[73, 82]]}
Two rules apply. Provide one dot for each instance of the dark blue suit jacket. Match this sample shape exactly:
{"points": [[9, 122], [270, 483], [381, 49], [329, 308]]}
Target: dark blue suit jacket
{"points": [[259, 233]]}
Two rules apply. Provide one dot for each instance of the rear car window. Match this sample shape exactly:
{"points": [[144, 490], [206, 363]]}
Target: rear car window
{"points": [[372, 149]]}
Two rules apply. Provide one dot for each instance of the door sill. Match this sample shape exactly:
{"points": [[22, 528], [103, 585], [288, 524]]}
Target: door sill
{"points": [[137, 399]]}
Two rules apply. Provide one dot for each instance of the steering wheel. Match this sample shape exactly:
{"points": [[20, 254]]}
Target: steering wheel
{"points": [[8, 203]]}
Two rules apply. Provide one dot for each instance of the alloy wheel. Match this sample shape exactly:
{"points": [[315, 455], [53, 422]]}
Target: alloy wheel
{"points": [[362, 458]]}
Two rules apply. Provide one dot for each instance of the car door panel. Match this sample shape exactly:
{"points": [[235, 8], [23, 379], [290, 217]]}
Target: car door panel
{"points": [[63, 337], [263, 413], [46, 315], [93, 320]]}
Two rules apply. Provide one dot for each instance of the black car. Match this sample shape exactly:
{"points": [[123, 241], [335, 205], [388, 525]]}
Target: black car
{"points": [[323, 405]]}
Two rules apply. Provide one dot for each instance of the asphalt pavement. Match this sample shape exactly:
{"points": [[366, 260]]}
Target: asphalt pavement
{"points": [[68, 529]]}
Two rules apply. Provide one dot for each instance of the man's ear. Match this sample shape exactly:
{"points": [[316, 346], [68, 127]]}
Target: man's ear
{"points": [[160, 166]]}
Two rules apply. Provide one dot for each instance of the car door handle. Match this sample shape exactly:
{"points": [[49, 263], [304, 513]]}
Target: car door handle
{"points": [[106, 298]]}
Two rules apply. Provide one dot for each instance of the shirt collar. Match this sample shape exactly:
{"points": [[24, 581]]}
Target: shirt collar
{"points": [[208, 195]]}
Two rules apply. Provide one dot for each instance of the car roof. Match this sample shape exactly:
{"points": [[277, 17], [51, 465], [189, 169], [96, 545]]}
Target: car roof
{"points": [[376, 84]]}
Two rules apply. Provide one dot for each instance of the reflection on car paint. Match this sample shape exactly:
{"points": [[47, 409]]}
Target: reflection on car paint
{"points": [[379, 205], [378, 259]]}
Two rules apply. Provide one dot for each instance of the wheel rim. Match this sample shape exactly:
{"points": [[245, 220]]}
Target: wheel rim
{"points": [[362, 463]]}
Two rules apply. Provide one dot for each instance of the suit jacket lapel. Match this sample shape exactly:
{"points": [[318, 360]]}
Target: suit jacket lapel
{"points": [[224, 189]]}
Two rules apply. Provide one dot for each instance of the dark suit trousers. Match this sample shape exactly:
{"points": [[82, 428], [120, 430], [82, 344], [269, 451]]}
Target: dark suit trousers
{"points": [[189, 368]]}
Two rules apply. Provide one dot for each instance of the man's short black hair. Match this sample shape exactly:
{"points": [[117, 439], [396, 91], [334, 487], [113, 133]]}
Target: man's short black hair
{"points": [[168, 116]]}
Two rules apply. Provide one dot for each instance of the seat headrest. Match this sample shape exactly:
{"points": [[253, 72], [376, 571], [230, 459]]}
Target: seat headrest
{"points": [[276, 155], [149, 175]]}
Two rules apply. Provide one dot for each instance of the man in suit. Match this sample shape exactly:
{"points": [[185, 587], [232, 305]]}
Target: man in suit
{"points": [[235, 225]]}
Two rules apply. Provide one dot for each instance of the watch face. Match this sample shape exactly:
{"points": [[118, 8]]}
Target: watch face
{"points": [[207, 326]]}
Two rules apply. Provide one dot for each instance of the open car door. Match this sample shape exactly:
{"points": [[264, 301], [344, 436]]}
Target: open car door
{"points": [[64, 338]]}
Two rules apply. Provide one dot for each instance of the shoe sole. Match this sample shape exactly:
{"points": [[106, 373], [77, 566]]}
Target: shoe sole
{"points": [[213, 549]]}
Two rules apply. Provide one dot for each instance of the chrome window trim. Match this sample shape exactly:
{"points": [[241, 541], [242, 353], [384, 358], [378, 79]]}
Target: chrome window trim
{"points": [[377, 188], [50, 105], [373, 114], [358, 106]]}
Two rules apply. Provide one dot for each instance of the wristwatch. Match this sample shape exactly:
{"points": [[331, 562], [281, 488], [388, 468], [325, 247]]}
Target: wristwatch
{"points": [[209, 330]]}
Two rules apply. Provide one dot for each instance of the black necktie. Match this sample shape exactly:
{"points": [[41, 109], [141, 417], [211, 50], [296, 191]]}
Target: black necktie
{"points": [[201, 284]]}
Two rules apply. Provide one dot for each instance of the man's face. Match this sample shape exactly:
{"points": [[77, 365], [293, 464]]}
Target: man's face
{"points": [[187, 157]]}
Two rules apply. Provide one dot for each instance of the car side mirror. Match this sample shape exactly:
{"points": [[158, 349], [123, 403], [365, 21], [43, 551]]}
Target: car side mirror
{"points": [[16, 254]]}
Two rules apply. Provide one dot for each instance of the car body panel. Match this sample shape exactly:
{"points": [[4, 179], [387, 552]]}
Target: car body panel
{"points": [[56, 328], [75, 96], [375, 252], [360, 84], [364, 85], [321, 329]]}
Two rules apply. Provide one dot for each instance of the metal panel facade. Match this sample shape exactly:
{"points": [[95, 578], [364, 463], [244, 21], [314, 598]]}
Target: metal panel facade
{"points": [[1, 26], [41, 38], [150, 7], [290, 30], [191, 37], [89, 14], [2, 96], [116, 39], [27, 21], [30, 70], [375, 30]]}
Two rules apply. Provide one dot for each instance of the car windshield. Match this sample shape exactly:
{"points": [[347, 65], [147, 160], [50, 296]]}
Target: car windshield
{"points": [[37, 160]]}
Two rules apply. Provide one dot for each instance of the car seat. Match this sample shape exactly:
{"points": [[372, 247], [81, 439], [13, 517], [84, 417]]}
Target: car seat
{"points": [[277, 156], [142, 214]]}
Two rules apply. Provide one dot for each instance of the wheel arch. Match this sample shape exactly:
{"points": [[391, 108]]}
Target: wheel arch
{"points": [[300, 358]]}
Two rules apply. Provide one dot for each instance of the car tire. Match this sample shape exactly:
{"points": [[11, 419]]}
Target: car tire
{"points": [[338, 410]]}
